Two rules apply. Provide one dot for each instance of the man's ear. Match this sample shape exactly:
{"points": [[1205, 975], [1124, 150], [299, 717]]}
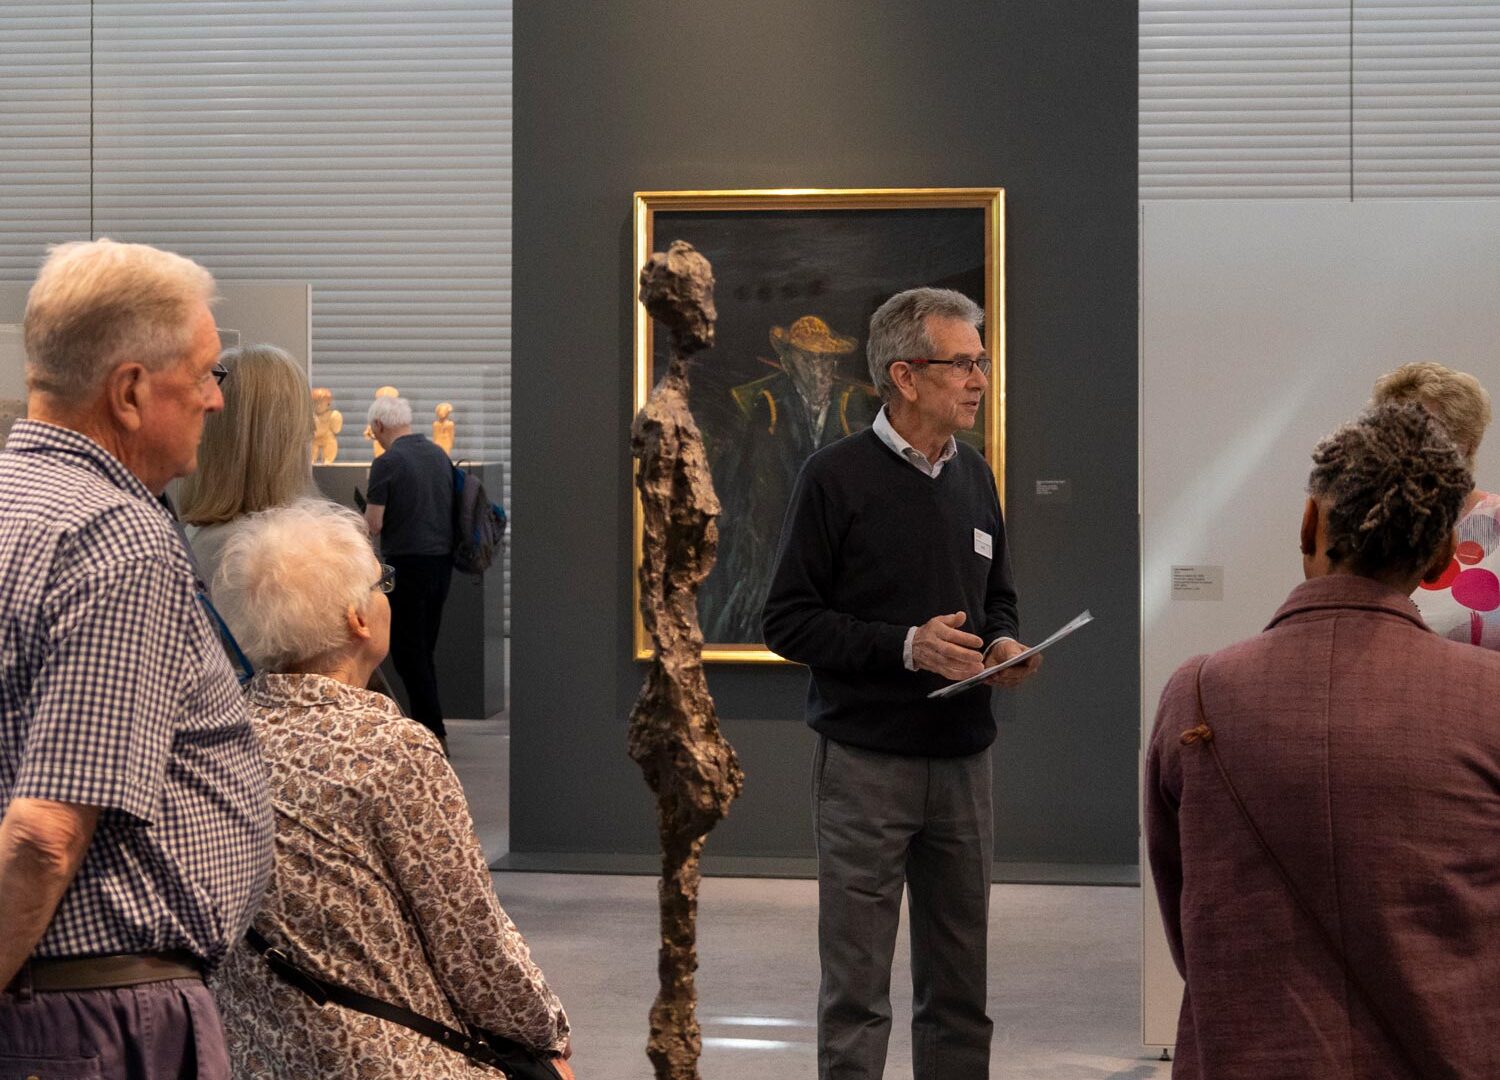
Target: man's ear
{"points": [[358, 626], [1309, 531], [1440, 561], [904, 377], [125, 390]]}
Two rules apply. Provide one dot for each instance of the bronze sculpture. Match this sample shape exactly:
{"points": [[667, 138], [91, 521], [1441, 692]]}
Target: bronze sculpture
{"points": [[674, 730]]}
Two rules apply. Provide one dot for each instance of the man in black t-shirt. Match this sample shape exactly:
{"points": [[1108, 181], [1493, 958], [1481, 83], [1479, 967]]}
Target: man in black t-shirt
{"points": [[410, 509], [893, 579]]}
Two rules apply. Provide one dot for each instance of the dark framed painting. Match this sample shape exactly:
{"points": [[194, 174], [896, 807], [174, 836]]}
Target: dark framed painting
{"points": [[798, 273]]}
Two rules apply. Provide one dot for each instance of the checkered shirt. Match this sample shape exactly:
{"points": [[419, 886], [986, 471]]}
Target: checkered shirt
{"points": [[115, 693]]}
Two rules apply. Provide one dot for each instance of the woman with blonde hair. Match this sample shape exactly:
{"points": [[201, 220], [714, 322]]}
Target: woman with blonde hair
{"points": [[255, 454], [1463, 603]]}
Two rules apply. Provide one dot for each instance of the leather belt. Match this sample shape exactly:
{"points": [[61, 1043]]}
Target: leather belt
{"points": [[104, 972]]}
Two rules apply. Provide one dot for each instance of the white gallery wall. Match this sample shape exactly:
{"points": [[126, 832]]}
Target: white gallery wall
{"points": [[1317, 186], [1264, 325]]}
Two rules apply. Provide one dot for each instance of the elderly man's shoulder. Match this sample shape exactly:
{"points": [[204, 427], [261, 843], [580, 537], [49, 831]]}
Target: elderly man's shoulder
{"points": [[856, 451], [87, 514], [971, 455], [432, 455]]}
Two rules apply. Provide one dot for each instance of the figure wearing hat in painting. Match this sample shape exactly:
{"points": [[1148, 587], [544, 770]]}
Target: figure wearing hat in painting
{"points": [[809, 390], [781, 418], [327, 423]]}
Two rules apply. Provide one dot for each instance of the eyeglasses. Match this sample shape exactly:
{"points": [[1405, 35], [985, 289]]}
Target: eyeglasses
{"points": [[963, 366], [387, 580], [218, 373]]}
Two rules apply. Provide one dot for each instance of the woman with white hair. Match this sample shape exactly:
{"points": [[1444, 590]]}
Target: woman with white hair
{"points": [[380, 885], [1463, 604]]}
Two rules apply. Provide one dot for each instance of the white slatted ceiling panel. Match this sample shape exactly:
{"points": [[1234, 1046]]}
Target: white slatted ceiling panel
{"points": [[44, 131], [361, 145], [1426, 98], [1244, 98]]}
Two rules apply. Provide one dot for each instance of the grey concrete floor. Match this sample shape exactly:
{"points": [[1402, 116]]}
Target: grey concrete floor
{"points": [[1064, 967]]}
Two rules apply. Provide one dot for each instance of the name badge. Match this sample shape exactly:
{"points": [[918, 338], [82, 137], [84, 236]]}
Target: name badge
{"points": [[984, 543]]}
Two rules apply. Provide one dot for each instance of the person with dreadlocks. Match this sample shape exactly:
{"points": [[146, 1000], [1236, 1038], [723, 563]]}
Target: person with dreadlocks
{"points": [[1322, 800]]}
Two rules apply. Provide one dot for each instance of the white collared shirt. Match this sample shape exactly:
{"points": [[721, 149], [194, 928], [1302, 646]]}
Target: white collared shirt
{"points": [[892, 438]]}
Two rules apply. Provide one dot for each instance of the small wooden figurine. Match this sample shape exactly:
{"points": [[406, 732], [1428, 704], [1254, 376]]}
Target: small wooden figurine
{"points": [[442, 427], [327, 423]]}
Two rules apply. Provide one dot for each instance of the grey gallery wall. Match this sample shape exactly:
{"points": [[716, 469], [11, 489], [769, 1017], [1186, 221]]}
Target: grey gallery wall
{"points": [[1038, 98]]}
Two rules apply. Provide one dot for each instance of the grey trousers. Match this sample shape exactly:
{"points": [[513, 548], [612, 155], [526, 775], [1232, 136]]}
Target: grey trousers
{"points": [[154, 1031], [883, 821]]}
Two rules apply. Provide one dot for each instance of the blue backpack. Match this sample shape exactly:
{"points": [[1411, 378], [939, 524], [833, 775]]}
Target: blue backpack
{"points": [[478, 524]]}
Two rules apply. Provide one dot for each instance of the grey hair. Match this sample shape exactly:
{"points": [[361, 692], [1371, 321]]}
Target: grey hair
{"points": [[1392, 484], [898, 329], [286, 579], [391, 412], [98, 303]]}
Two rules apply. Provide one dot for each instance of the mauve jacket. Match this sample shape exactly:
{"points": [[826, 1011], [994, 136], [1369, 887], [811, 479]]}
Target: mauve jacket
{"points": [[1367, 749]]}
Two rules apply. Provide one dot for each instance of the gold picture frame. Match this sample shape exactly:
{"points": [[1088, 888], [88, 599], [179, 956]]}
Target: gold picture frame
{"points": [[829, 256]]}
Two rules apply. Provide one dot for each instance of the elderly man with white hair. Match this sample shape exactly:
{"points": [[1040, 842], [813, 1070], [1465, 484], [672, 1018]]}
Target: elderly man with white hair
{"points": [[410, 509], [136, 830], [380, 885]]}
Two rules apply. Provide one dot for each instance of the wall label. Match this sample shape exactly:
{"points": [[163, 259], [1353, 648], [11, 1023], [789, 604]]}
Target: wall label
{"points": [[1197, 583], [1054, 491]]}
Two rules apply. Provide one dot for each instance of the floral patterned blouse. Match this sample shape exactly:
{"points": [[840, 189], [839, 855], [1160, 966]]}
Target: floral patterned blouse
{"points": [[379, 885]]}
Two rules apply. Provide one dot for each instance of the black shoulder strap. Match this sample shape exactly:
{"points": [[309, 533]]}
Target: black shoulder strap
{"points": [[1204, 735], [321, 991]]}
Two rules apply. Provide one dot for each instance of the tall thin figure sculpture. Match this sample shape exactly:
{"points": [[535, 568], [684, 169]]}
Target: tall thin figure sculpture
{"points": [[674, 731]]}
